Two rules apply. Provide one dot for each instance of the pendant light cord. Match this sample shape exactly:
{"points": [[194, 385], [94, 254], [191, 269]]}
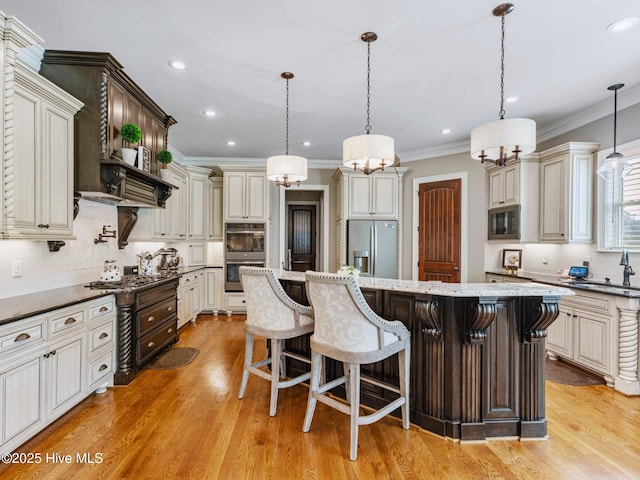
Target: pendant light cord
{"points": [[615, 117], [501, 113], [367, 127], [286, 148]]}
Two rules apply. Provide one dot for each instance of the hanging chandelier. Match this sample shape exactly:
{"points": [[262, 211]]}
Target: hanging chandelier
{"points": [[287, 169], [369, 152], [614, 161], [505, 139]]}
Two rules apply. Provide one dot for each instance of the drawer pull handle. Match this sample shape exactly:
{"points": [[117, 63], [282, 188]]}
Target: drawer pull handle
{"points": [[69, 321], [170, 330], [103, 367], [46, 355], [53, 352], [151, 345], [103, 335], [104, 309], [169, 309], [22, 337], [151, 318]]}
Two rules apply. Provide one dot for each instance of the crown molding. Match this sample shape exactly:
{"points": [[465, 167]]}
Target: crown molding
{"points": [[252, 162]]}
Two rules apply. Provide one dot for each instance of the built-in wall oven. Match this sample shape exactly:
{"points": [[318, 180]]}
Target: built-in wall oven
{"points": [[244, 245]]}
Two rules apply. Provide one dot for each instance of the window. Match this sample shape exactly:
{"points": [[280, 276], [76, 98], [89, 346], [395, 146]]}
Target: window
{"points": [[619, 219]]}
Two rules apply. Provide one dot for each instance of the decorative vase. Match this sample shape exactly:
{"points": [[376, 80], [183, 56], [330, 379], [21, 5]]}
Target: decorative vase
{"points": [[164, 174], [129, 155]]}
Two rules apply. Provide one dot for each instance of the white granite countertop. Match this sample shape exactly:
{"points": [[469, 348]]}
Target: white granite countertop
{"points": [[524, 289]]}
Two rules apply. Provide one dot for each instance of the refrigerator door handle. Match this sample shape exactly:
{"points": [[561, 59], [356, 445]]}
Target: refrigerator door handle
{"points": [[374, 249]]}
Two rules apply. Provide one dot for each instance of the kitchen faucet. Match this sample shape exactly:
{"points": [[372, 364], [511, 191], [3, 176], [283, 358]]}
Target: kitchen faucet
{"points": [[628, 271]]}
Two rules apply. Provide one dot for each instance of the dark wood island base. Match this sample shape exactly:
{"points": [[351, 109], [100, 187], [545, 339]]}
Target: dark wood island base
{"points": [[477, 362]]}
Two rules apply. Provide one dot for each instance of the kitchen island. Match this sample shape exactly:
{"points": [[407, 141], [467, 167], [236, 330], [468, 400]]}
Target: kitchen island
{"points": [[477, 359]]}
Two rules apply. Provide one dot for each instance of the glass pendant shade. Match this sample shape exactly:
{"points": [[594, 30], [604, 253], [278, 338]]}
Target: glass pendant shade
{"points": [[287, 167], [502, 137], [368, 152], [614, 162]]}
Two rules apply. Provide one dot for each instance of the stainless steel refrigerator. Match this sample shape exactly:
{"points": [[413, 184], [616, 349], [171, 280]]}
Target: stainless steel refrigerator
{"points": [[372, 247]]}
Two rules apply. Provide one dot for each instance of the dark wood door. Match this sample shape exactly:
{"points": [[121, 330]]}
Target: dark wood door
{"points": [[302, 237], [439, 231]]}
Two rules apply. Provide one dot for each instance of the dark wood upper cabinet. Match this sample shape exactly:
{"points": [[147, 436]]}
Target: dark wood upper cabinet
{"points": [[111, 100]]}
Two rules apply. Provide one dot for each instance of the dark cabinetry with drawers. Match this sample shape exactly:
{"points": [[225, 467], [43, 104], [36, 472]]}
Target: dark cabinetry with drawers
{"points": [[156, 321]]}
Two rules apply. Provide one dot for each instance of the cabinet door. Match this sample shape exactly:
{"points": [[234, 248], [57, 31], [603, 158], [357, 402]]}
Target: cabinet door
{"points": [[57, 171], [553, 200], [360, 196], [384, 196], [197, 254], [213, 284], [496, 194], [214, 200], [560, 334], [197, 187], [22, 393], [581, 228], [116, 111], [511, 189], [65, 371], [179, 213], [234, 184], [592, 348], [256, 199]]}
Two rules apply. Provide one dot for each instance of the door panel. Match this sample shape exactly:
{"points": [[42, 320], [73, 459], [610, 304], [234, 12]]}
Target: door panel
{"points": [[439, 231], [302, 237]]}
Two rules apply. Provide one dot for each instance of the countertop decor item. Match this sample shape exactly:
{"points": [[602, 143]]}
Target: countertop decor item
{"points": [[165, 157], [286, 169], [511, 260], [130, 133], [368, 153], [500, 141]]}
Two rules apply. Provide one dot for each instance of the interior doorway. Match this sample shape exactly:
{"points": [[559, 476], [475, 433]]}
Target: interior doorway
{"points": [[304, 227], [440, 228]]}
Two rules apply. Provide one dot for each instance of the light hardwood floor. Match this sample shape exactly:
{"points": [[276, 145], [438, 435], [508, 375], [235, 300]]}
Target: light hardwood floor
{"points": [[187, 423]]}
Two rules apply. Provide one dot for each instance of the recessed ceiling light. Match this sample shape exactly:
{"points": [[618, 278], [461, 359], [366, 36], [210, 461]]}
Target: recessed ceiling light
{"points": [[622, 25], [177, 65], [209, 113], [511, 99], [231, 143], [445, 131], [306, 143]]}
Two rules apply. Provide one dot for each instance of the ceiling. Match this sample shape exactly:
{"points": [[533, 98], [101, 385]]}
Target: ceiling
{"points": [[435, 65]]}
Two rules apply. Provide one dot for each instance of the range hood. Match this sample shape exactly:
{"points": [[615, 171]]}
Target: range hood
{"points": [[111, 99], [124, 185]]}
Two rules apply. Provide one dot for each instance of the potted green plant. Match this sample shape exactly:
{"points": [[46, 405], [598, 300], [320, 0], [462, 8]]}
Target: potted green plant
{"points": [[165, 158], [130, 133]]}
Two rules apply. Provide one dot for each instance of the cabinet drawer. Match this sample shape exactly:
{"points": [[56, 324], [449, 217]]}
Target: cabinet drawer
{"points": [[150, 317], [236, 302], [594, 302], [100, 309], [100, 336], [21, 337], [155, 341], [155, 294], [66, 320], [100, 367]]}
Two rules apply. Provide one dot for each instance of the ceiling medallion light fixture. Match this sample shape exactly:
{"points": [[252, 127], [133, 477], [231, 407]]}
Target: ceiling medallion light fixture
{"points": [[368, 152], [287, 169], [504, 139], [614, 161]]}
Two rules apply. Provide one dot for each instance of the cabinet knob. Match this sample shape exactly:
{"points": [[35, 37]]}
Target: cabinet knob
{"points": [[151, 345], [43, 225], [151, 318]]}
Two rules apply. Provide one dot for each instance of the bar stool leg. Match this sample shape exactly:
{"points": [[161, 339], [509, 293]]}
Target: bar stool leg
{"points": [[316, 371], [248, 357], [276, 349]]}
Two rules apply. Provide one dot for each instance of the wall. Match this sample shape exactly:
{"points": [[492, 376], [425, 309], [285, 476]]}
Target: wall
{"points": [[80, 261]]}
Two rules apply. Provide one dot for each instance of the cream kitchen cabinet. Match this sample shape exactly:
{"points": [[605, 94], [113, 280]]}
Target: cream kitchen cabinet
{"points": [[190, 296], [198, 204], [39, 159], [504, 186], [213, 290], [45, 366], [214, 209], [245, 196], [566, 193], [170, 223], [584, 333]]}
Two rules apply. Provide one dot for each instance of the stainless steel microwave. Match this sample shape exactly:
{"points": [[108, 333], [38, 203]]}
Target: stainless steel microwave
{"points": [[504, 223]]}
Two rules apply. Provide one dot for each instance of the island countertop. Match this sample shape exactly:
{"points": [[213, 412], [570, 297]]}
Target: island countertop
{"points": [[521, 289]]}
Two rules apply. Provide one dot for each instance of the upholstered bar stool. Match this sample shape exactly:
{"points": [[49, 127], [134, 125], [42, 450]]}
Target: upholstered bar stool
{"points": [[347, 330], [272, 314]]}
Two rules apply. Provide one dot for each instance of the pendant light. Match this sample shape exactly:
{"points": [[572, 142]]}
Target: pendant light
{"points": [[505, 139], [614, 161], [368, 153], [287, 169]]}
